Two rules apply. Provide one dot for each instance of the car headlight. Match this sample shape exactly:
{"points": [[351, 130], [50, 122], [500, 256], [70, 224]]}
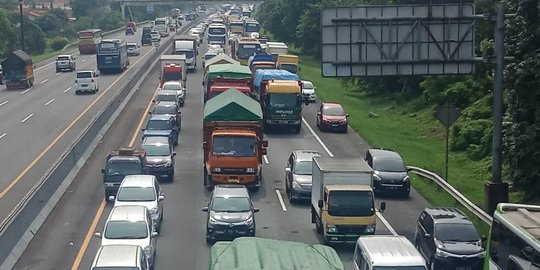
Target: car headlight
{"points": [[250, 170], [370, 228], [331, 228], [406, 179], [296, 185], [441, 253], [212, 221], [249, 221], [217, 170], [376, 177], [168, 163]]}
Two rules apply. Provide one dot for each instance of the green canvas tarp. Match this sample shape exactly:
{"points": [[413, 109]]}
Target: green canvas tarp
{"points": [[252, 253], [232, 106], [228, 71]]}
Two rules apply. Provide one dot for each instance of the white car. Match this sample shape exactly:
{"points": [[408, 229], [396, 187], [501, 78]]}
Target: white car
{"points": [[155, 36], [133, 49], [86, 82], [308, 91], [142, 190], [180, 91]]}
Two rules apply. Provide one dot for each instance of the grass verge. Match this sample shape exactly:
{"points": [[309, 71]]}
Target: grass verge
{"points": [[409, 129]]}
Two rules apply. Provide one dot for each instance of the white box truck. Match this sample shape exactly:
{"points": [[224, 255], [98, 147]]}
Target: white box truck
{"points": [[186, 45]]}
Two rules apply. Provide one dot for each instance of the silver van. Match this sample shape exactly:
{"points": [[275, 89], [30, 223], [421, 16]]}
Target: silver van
{"points": [[374, 252], [128, 257]]}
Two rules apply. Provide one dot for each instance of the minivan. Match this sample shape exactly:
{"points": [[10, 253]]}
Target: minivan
{"points": [[394, 252]]}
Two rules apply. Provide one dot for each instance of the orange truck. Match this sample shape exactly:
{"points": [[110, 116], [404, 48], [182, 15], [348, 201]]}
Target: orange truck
{"points": [[220, 85], [221, 77], [233, 143], [173, 68]]}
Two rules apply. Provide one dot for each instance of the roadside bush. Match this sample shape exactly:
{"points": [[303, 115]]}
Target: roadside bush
{"points": [[472, 136], [58, 43]]}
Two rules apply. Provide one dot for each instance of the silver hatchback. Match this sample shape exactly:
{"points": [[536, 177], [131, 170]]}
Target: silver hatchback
{"points": [[298, 174]]}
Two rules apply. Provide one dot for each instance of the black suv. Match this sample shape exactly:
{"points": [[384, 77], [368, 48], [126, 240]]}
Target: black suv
{"points": [[230, 213], [448, 240], [390, 172], [159, 157]]}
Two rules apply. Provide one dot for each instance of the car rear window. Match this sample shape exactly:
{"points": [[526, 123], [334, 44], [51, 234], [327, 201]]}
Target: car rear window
{"points": [[62, 58], [83, 75]]}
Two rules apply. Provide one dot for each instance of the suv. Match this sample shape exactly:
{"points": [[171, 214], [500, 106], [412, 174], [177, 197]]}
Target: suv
{"points": [[65, 62], [86, 82], [174, 86], [162, 125], [168, 95], [390, 172], [168, 108], [230, 213], [298, 174], [142, 189], [448, 239], [159, 157], [130, 225]]}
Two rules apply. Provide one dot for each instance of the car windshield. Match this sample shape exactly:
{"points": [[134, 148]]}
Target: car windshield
{"points": [[307, 85], [389, 165], [158, 125], [420, 267], [166, 98], [164, 110], [126, 230], [231, 204], [157, 150], [238, 146], [350, 203], [336, 111], [136, 194], [458, 232], [303, 167], [283, 100], [83, 75], [123, 168], [209, 56], [115, 268], [172, 86]]}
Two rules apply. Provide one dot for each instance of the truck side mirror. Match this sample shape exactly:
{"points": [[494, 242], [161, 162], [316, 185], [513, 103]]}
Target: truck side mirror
{"points": [[265, 143], [383, 207], [288, 170], [174, 154], [263, 151], [97, 234], [111, 198], [204, 144], [102, 170], [320, 203]]}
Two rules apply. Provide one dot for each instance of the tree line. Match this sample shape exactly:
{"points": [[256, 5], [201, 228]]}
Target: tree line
{"points": [[298, 23]]}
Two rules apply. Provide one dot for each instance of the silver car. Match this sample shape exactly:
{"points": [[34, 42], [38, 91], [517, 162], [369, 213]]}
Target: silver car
{"points": [[298, 174], [120, 257], [133, 49], [177, 87], [64, 62]]}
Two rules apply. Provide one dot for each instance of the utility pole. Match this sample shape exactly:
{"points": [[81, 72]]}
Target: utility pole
{"points": [[22, 27]]}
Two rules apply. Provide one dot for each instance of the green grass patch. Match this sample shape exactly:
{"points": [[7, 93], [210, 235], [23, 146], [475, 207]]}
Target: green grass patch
{"points": [[409, 129]]}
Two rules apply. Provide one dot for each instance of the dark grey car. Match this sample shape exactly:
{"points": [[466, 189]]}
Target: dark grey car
{"points": [[298, 174], [230, 214], [390, 172]]}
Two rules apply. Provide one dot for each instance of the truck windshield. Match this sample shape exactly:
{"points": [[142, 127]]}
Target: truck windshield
{"points": [[283, 100], [188, 54], [157, 150], [172, 76], [252, 27], [247, 50], [238, 146], [290, 67], [123, 168], [351, 203], [216, 31]]}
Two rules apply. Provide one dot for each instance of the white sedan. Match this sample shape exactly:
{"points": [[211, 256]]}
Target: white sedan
{"points": [[133, 49]]}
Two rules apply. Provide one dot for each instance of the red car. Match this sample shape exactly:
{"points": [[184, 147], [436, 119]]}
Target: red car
{"points": [[331, 116]]}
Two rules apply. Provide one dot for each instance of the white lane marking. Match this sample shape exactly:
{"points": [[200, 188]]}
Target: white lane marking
{"points": [[67, 89], [49, 102], [4, 103], [283, 207], [265, 159], [317, 137], [386, 223], [44, 81], [28, 117], [25, 91], [3, 135], [84, 60]]}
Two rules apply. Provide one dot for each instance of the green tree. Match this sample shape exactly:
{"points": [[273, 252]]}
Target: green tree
{"points": [[8, 36], [523, 134]]}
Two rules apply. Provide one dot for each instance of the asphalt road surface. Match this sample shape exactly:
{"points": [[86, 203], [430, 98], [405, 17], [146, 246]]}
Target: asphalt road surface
{"points": [[65, 241]]}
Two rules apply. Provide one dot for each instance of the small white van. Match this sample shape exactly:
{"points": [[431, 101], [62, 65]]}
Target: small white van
{"points": [[86, 82], [379, 252]]}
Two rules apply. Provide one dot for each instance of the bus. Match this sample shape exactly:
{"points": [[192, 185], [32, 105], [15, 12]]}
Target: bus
{"points": [[112, 55], [251, 26], [514, 239], [88, 39], [217, 32], [160, 25]]}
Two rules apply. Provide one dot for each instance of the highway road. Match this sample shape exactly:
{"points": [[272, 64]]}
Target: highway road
{"points": [[39, 123], [65, 240]]}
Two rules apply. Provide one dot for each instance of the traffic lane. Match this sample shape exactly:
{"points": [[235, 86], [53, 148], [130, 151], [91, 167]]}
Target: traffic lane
{"points": [[66, 227], [401, 213]]}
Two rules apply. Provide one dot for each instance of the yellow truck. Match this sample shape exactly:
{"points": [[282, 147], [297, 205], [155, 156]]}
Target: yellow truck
{"points": [[342, 199], [288, 62]]}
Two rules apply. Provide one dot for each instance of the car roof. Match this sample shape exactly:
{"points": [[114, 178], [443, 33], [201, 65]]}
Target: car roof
{"points": [[171, 83], [447, 215], [166, 92], [84, 71], [306, 155], [63, 55], [128, 212], [156, 140], [117, 255], [386, 250], [138, 180], [131, 43], [230, 191], [160, 117], [384, 154]]}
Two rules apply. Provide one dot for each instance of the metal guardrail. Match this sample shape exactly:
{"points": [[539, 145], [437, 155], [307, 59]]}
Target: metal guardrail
{"points": [[477, 211]]}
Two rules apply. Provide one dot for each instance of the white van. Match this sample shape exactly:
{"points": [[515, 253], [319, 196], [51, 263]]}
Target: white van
{"points": [[373, 252], [86, 82], [120, 257]]}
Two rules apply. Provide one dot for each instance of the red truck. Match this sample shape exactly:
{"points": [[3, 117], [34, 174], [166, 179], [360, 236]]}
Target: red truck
{"points": [[221, 77], [220, 85], [173, 68]]}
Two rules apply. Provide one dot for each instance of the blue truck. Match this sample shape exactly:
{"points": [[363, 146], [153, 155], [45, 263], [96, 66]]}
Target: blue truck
{"points": [[112, 55]]}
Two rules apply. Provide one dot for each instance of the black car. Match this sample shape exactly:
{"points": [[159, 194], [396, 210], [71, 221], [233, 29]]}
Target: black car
{"points": [[448, 240], [168, 108], [162, 125], [230, 214], [390, 172], [159, 159]]}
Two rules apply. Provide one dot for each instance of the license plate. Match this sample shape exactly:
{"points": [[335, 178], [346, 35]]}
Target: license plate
{"points": [[231, 180], [85, 85], [283, 121], [335, 125]]}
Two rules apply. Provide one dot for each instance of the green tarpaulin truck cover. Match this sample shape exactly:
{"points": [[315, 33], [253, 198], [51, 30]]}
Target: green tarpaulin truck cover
{"points": [[232, 106], [252, 253]]}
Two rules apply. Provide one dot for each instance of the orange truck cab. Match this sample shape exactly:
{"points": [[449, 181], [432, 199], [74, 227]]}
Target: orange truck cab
{"points": [[233, 140]]}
